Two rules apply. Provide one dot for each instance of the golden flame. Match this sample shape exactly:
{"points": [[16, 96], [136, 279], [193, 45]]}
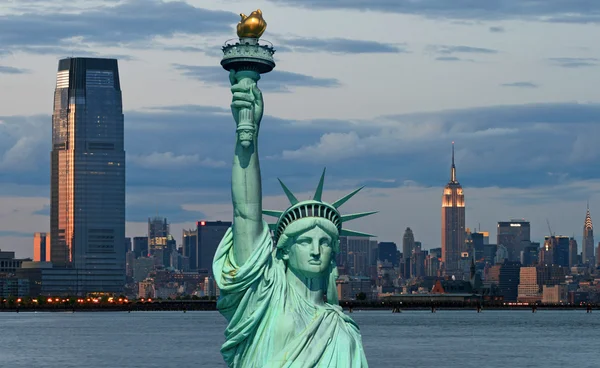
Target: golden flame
{"points": [[252, 26]]}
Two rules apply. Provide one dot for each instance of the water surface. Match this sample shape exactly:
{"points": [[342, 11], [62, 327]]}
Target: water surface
{"points": [[415, 339]]}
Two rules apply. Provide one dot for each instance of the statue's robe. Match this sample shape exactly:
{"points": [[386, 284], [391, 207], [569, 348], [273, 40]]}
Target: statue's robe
{"points": [[270, 324]]}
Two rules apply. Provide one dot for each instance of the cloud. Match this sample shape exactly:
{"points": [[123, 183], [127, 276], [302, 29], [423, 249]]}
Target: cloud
{"points": [[452, 58], [22, 139], [171, 161], [496, 29], [507, 143], [114, 24], [459, 49], [278, 81], [12, 70], [340, 46], [564, 11], [63, 51], [574, 62], [521, 85]]}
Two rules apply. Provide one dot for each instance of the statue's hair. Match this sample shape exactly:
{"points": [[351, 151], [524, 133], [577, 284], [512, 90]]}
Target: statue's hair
{"points": [[299, 227]]}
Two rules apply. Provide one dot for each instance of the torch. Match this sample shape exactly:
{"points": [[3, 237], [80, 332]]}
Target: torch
{"points": [[248, 58]]}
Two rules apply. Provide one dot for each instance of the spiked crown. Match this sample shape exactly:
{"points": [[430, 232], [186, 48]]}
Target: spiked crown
{"points": [[315, 207]]}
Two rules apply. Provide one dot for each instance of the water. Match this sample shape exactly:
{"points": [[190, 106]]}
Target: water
{"points": [[415, 339]]}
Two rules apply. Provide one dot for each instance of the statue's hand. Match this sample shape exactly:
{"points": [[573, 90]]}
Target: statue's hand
{"points": [[246, 95]]}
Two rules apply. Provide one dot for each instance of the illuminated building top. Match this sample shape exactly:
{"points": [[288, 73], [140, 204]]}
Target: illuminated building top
{"points": [[453, 192], [588, 220]]}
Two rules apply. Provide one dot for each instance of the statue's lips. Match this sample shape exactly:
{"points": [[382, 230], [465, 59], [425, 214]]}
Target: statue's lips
{"points": [[313, 262]]}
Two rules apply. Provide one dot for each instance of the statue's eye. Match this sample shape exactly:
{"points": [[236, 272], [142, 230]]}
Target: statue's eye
{"points": [[325, 241], [303, 241]]}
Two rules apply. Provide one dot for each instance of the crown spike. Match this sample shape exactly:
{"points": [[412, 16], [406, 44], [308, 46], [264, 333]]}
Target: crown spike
{"points": [[357, 215], [319, 191], [272, 213], [291, 197], [346, 232], [345, 199]]}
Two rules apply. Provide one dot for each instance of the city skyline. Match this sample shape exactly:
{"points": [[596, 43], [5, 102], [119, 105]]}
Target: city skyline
{"points": [[395, 141]]}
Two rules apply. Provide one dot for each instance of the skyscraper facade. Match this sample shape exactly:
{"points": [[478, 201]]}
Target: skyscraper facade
{"points": [[453, 222], [515, 235], [587, 256], [87, 206]]}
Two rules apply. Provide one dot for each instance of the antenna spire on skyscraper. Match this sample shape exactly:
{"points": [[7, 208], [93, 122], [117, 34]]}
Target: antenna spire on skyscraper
{"points": [[453, 169]]}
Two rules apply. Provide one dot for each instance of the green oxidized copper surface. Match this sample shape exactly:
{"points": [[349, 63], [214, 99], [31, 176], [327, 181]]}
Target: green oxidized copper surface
{"points": [[278, 292]]}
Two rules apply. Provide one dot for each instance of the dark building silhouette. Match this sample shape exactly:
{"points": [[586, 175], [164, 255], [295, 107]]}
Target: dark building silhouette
{"points": [[478, 245], [573, 256], [87, 186], [509, 279], [555, 251], [200, 244], [531, 254], [453, 223], [387, 251], [408, 245], [514, 235], [140, 246]]}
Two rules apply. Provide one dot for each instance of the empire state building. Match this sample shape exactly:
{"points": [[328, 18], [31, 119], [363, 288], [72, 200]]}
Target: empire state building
{"points": [[453, 223]]}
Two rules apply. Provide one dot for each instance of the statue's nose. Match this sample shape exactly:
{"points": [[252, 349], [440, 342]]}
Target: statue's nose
{"points": [[315, 250]]}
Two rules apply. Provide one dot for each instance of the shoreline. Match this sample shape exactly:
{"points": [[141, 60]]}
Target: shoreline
{"points": [[348, 306]]}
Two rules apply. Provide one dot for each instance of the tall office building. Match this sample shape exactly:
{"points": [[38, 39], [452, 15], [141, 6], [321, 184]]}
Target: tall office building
{"points": [[41, 247], [386, 251], [587, 245], [200, 244], [453, 222], [408, 245], [515, 235], [87, 209]]}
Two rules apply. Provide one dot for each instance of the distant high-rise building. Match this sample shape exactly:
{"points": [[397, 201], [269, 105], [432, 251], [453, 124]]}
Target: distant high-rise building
{"points": [[453, 222], [477, 240], [386, 251], [573, 256], [200, 244], [555, 251], [359, 256], [515, 236], [157, 227], [598, 255], [87, 204], [160, 242], [530, 254], [408, 245], [588, 240], [41, 247], [140, 246]]}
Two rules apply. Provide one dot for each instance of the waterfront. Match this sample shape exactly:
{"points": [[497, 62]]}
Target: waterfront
{"points": [[415, 339]]}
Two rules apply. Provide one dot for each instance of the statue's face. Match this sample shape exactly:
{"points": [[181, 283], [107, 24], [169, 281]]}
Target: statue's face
{"points": [[311, 253]]}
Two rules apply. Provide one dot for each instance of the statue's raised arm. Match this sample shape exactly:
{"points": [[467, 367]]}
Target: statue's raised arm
{"points": [[246, 190]]}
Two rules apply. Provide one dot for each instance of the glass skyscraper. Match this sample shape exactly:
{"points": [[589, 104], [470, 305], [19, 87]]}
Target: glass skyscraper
{"points": [[87, 210]]}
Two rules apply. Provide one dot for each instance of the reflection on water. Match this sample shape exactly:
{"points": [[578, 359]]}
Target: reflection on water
{"points": [[412, 339]]}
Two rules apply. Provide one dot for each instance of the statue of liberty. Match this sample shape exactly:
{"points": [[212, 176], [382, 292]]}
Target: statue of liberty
{"points": [[278, 291]]}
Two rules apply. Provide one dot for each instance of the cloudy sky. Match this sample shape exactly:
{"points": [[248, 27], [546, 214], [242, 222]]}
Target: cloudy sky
{"points": [[374, 90]]}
